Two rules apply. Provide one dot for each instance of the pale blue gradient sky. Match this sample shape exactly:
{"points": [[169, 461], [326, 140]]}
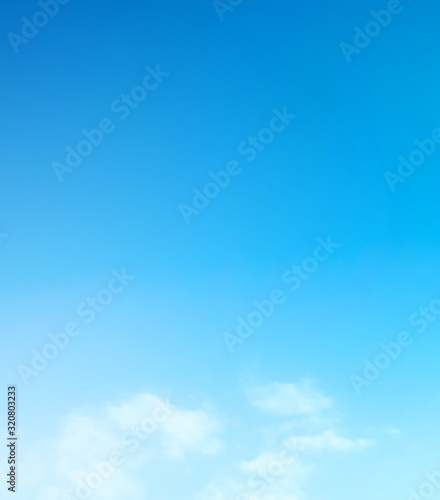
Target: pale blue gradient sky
{"points": [[323, 175]]}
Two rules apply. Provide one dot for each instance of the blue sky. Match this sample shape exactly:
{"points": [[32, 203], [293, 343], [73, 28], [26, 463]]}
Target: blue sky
{"points": [[226, 77]]}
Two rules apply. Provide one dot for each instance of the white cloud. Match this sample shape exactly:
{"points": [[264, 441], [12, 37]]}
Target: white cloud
{"points": [[137, 409], [215, 491], [191, 430], [328, 440], [282, 474], [122, 485], [289, 399], [180, 430], [267, 460], [84, 441], [277, 475], [81, 440], [284, 488], [179, 433], [393, 431]]}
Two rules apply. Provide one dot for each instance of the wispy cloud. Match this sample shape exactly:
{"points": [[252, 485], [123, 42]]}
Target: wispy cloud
{"points": [[79, 459], [144, 430], [329, 440], [282, 472], [289, 399]]}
